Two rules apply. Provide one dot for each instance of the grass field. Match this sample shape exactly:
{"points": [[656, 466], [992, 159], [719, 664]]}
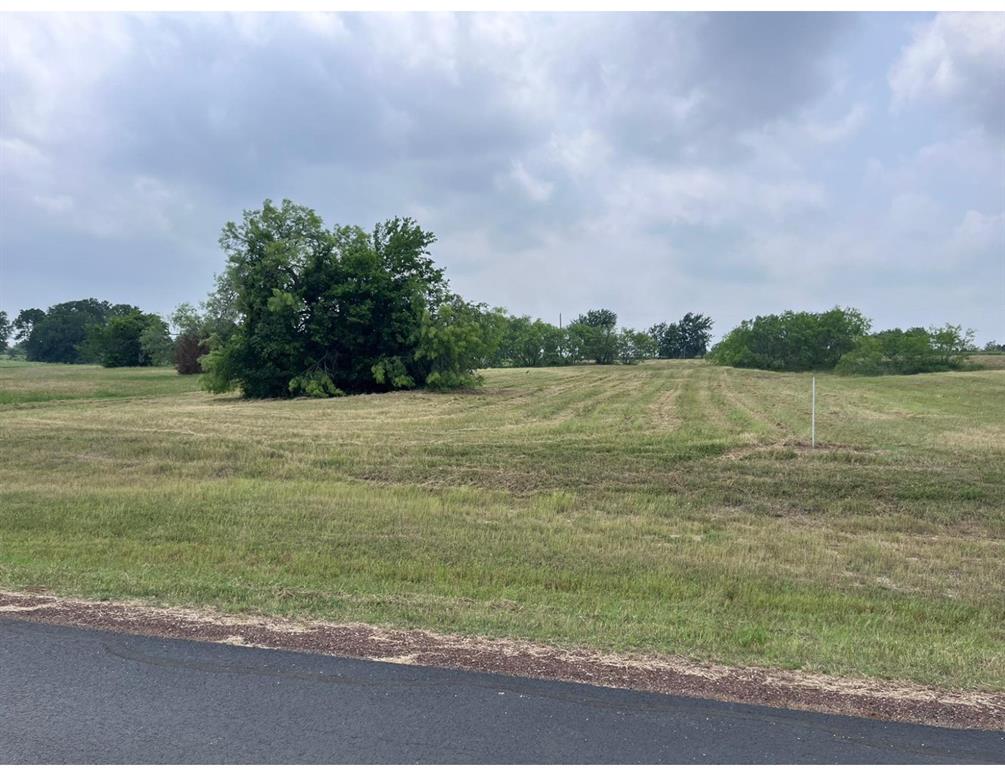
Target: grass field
{"points": [[669, 507]]}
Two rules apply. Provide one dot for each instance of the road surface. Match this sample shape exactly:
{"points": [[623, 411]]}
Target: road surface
{"points": [[82, 696]]}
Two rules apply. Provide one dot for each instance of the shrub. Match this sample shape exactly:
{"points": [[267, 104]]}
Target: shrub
{"points": [[188, 348], [634, 346], [915, 350], [792, 341]]}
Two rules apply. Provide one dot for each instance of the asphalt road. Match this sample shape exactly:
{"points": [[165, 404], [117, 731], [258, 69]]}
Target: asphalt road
{"points": [[73, 695]]}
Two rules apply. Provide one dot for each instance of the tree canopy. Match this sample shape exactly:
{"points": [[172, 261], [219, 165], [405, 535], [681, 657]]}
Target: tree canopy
{"points": [[593, 336], [916, 350], [687, 338], [323, 311], [792, 341]]}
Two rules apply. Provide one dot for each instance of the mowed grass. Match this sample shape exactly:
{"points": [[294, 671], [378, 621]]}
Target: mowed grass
{"points": [[22, 382], [667, 507]]}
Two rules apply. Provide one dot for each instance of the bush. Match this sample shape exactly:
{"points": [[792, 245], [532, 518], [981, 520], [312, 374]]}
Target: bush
{"points": [[915, 350], [188, 348], [792, 341], [634, 346]]}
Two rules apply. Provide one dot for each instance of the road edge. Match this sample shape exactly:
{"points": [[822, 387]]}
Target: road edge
{"points": [[877, 699]]}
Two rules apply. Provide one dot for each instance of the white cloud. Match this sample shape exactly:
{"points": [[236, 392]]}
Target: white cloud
{"points": [[536, 189], [959, 59], [980, 232], [839, 130], [709, 197]]}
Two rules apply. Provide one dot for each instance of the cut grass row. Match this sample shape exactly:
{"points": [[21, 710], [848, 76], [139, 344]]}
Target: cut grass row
{"points": [[666, 507]]}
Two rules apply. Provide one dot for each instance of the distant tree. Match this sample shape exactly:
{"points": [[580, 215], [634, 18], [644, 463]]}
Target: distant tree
{"points": [[494, 324], [524, 341], [198, 329], [686, 338], [131, 338], [188, 350], [594, 336], [191, 339], [792, 341], [916, 350], [156, 342], [993, 347], [6, 327], [695, 332], [25, 321], [554, 345], [61, 334], [634, 346]]}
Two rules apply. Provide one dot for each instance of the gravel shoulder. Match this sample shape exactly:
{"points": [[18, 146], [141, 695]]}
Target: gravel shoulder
{"points": [[895, 701]]}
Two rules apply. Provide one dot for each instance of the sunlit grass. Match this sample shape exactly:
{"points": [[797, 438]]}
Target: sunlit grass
{"points": [[669, 507]]}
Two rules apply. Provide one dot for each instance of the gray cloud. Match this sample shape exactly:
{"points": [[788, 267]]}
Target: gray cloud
{"points": [[957, 59], [732, 163]]}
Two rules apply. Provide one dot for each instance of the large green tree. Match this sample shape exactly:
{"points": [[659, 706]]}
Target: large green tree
{"points": [[323, 311]]}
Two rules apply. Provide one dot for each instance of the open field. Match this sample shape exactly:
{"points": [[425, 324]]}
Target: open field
{"points": [[995, 362], [668, 507], [22, 382]]}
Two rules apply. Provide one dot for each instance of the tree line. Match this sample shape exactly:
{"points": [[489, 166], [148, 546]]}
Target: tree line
{"points": [[840, 340], [89, 331], [303, 309], [594, 336]]}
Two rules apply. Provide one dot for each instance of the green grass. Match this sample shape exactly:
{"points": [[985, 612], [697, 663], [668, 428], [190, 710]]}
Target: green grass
{"points": [[670, 507], [22, 382]]}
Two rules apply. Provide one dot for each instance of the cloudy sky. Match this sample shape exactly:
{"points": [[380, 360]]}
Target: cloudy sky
{"points": [[732, 164]]}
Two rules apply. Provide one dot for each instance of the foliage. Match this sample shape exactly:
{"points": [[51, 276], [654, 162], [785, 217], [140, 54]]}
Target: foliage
{"points": [[197, 330], [915, 350], [188, 350], [131, 338], [6, 326], [452, 343], [321, 311], [155, 341], [687, 338], [25, 321], [67, 332], [993, 347], [792, 341], [314, 384], [594, 336], [634, 346]]}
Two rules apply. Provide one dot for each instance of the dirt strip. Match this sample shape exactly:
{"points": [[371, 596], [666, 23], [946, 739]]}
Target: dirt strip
{"points": [[661, 674]]}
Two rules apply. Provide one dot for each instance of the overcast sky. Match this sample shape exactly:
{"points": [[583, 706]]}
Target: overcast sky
{"points": [[732, 164]]}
